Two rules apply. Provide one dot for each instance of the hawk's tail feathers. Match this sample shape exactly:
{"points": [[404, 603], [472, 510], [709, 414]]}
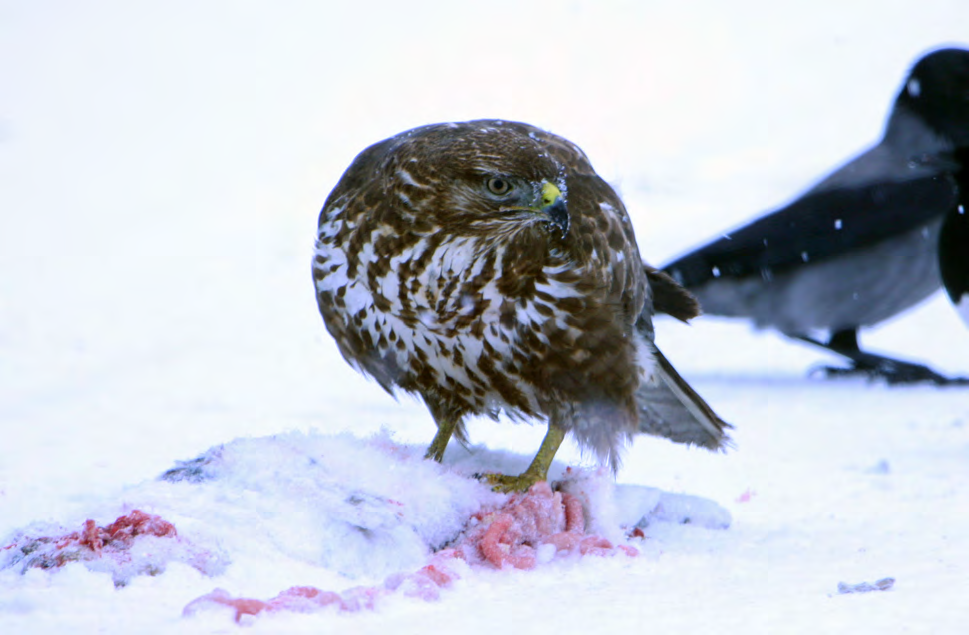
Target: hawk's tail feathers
{"points": [[669, 407]]}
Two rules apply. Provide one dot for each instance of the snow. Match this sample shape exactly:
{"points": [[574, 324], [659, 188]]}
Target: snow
{"points": [[914, 87], [161, 169]]}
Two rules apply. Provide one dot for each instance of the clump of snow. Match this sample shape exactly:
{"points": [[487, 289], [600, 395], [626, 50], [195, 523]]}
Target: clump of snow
{"points": [[640, 506], [361, 508], [684, 509]]}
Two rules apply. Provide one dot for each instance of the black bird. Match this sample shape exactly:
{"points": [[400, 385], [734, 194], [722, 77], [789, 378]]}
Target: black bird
{"points": [[860, 246], [954, 244]]}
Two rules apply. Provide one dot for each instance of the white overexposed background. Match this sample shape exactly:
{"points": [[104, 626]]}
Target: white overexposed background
{"points": [[162, 166]]}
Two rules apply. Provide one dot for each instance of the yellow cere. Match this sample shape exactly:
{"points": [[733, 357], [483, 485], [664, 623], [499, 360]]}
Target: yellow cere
{"points": [[549, 194]]}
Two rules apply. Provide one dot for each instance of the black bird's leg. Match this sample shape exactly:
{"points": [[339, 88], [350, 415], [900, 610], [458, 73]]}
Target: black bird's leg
{"points": [[893, 371]]}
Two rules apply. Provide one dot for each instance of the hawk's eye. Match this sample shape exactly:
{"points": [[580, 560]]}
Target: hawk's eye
{"points": [[499, 186]]}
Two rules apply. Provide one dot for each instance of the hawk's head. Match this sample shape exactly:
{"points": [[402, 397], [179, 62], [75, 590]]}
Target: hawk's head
{"points": [[478, 178]]}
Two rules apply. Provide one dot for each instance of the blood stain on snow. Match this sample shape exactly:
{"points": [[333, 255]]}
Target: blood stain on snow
{"points": [[423, 584], [508, 536], [109, 548], [91, 541], [746, 496]]}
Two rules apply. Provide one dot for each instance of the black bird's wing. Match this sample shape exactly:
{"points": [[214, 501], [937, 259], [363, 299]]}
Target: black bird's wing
{"points": [[820, 225]]}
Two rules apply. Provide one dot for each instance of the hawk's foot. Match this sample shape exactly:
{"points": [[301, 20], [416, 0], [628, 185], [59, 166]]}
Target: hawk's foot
{"points": [[537, 471], [506, 483]]}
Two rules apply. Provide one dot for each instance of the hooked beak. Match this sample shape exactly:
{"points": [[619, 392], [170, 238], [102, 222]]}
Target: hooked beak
{"points": [[553, 206]]}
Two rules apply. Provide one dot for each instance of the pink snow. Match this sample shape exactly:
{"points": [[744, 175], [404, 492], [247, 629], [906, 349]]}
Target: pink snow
{"points": [[505, 537], [92, 542]]}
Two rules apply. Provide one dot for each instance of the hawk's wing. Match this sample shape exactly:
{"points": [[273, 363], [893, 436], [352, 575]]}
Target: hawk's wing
{"points": [[670, 408]]}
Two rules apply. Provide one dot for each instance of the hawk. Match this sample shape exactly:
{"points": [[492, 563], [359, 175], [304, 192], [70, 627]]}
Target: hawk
{"points": [[486, 267]]}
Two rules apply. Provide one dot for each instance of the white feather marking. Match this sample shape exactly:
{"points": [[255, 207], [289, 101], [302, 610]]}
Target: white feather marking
{"points": [[358, 297], [645, 359], [332, 225], [338, 277], [407, 179], [555, 287], [389, 288]]}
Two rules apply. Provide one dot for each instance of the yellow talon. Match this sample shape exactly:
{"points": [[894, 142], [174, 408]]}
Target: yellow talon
{"points": [[507, 484], [537, 471]]}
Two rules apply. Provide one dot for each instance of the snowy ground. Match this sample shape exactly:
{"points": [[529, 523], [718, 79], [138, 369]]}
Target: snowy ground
{"points": [[161, 169]]}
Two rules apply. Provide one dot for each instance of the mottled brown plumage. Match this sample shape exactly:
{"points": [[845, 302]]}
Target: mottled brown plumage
{"points": [[486, 267]]}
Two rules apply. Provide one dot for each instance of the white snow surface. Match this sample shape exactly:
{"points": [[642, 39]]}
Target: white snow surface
{"points": [[963, 308], [161, 170]]}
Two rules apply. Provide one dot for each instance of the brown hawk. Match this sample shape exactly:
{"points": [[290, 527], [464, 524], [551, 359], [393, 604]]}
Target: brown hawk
{"points": [[486, 267]]}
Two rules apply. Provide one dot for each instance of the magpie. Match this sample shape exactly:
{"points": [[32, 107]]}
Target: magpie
{"points": [[860, 246]]}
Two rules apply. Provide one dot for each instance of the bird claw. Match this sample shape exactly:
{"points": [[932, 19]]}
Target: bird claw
{"points": [[507, 484], [893, 372]]}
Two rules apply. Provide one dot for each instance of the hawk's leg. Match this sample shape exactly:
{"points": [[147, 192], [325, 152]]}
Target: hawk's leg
{"points": [[448, 421], [445, 428], [537, 471], [894, 371]]}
